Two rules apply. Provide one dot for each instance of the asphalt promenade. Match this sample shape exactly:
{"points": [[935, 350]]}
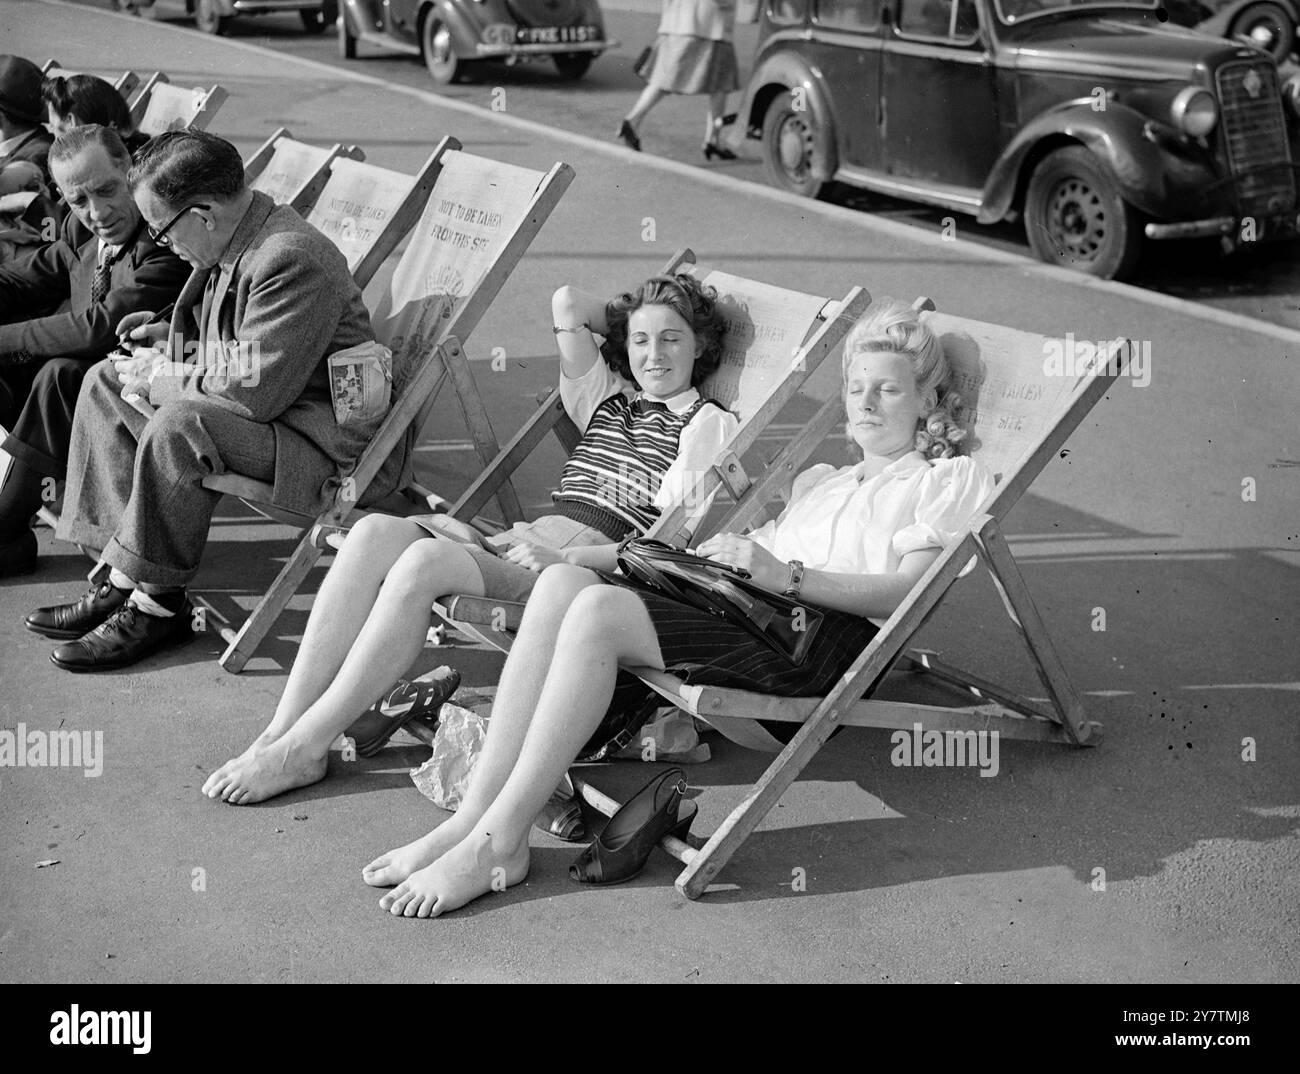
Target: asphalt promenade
{"points": [[1164, 854]]}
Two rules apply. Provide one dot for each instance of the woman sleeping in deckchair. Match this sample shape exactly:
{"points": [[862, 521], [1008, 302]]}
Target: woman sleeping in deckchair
{"points": [[637, 455], [852, 542]]}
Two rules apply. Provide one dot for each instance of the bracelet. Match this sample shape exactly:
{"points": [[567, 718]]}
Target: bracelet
{"points": [[796, 579], [557, 329]]}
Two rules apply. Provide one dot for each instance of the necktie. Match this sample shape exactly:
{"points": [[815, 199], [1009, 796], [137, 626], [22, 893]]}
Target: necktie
{"points": [[99, 285]]}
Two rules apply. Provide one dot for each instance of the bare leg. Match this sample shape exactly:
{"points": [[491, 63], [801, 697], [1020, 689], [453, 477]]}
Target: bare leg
{"points": [[605, 627], [717, 109], [650, 96], [521, 684], [389, 641]]}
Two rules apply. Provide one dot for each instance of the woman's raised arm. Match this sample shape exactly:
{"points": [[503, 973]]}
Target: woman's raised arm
{"points": [[577, 315]]}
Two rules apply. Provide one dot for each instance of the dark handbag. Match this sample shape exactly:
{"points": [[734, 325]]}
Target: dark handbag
{"points": [[643, 64], [785, 626]]}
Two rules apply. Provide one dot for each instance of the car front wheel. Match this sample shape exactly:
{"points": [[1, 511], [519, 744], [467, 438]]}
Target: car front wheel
{"points": [[1268, 26], [209, 19], [1075, 216], [573, 65], [791, 149], [439, 51]]}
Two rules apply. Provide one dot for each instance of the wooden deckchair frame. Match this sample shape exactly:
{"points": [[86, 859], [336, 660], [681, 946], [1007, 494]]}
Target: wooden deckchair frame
{"points": [[1062, 720], [493, 621], [204, 103], [446, 361], [125, 83], [308, 187]]}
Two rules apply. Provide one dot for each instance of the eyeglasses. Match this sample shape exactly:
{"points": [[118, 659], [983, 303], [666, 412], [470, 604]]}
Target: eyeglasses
{"points": [[159, 235]]}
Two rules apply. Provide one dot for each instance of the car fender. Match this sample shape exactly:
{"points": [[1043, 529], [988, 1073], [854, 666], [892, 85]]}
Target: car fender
{"points": [[781, 72], [1149, 176], [1218, 23], [359, 16], [464, 28], [225, 8]]}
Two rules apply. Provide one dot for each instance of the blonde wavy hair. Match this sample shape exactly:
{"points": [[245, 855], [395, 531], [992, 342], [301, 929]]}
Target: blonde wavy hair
{"points": [[891, 325]]}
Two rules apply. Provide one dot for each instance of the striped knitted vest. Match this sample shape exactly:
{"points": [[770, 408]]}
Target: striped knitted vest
{"points": [[612, 476]]}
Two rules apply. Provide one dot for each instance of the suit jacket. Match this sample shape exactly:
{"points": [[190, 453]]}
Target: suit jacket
{"points": [[45, 307], [35, 148], [283, 291]]}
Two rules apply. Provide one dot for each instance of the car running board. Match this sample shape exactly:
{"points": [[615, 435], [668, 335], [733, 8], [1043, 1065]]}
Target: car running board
{"points": [[960, 198]]}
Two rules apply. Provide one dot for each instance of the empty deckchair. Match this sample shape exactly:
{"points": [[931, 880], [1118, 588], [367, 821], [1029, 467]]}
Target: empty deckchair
{"points": [[774, 339], [125, 83], [164, 107], [1019, 416], [294, 173], [471, 235]]}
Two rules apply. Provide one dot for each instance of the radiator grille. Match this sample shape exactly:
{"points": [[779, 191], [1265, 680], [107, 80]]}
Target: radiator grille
{"points": [[1254, 136]]}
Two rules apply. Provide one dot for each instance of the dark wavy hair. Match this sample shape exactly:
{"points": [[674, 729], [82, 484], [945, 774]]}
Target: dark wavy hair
{"points": [[88, 100], [181, 166], [694, 302]]}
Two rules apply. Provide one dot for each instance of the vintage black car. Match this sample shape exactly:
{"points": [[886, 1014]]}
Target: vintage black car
{"points": [[213, 16], [1267, 24], [450, 35], [1095, 121]]}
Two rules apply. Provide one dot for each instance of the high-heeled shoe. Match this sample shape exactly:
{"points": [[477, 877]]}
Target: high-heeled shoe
{"points": [[628, 136], [712, 149], [621, 850]]}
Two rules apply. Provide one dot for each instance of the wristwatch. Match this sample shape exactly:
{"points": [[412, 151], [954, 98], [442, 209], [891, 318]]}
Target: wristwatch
{"points": [[793, 586]]}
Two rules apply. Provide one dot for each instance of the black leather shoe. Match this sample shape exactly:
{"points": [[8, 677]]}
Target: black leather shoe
{"points": [[628, 137], [18, 555], [126, 637], [622, 848], [74, 620]]}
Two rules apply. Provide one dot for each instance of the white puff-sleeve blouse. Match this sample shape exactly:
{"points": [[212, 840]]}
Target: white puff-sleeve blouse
{"points": [[841, 520]]}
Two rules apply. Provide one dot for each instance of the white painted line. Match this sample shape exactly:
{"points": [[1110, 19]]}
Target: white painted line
{"points": [[852, 217]]}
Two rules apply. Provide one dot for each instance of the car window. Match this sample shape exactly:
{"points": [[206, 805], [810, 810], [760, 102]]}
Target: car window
{"points": [[849, 14], [786, 12], [953, 20]]}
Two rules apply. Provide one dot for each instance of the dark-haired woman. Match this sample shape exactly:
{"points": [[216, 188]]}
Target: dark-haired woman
{"points": [[639, 453], [76, 100]]}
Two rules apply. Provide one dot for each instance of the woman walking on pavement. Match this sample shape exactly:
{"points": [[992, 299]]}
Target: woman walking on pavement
{"points": [[692, 54]]}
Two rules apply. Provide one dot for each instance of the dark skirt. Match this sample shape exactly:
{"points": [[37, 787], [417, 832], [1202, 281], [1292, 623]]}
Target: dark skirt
{"points": [[706, 650]]}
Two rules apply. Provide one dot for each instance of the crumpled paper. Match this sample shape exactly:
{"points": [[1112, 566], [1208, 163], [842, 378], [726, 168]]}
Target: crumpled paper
{"points": [[444, 777]]}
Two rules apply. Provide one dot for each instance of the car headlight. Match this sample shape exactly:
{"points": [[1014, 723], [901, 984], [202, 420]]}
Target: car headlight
{"points": [[1195, 111], [1291, 93]]}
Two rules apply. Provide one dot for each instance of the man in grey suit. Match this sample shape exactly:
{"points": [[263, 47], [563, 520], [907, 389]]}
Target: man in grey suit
{"points": [[240, 382], [59, 310]]}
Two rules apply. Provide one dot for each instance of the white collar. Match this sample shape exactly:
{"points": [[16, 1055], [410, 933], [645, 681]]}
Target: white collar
{"points": [[678, 404], [909, 463]]}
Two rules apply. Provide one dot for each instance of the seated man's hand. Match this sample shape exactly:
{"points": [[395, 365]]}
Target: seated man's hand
{"points": [[535, 557], [141, 328], [135, 372]]}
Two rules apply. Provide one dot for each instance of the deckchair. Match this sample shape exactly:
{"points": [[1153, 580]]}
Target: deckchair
{"points": [[161, 106], [294, 173], [125, 83], [775, 338], [473, 232], [1019, 415]]}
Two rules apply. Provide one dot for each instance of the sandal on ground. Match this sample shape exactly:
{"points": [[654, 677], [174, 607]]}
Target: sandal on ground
{"points": [[561, 818], [620, 851], [406, 703]]}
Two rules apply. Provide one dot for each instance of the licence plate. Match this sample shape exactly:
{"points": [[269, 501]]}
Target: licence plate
{"points": [[556, 35]]}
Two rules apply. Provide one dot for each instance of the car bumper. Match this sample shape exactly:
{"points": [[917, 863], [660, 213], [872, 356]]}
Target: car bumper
{"points": [[542, 49], [1267, 228]]}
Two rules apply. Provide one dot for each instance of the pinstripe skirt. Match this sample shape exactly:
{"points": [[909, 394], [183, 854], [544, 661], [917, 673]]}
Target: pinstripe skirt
{"points": [[707, 650]]}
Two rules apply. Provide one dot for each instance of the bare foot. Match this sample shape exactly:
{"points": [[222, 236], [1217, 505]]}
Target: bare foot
{"points": [[395, 866], [472, 868], [220, 775], [259, 774]]}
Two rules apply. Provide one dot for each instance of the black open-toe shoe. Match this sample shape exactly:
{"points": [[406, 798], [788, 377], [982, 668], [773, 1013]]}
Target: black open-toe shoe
{"points": [[621, 850]]}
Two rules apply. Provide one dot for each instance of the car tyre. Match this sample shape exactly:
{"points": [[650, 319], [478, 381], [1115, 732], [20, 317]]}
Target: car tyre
{"points": [[1075, 216], [573, 65], [146, 9], [208, 19], [1268, 26], [314, 20], [790, 148], [439, 51]]}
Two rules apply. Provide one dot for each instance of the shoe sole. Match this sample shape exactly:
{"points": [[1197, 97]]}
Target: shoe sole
{"points": [[81, 669], [57, 635]]}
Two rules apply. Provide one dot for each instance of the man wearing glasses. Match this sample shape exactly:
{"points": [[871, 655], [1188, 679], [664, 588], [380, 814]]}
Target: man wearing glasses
{"points": [[59, 311], [239, 381]]}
